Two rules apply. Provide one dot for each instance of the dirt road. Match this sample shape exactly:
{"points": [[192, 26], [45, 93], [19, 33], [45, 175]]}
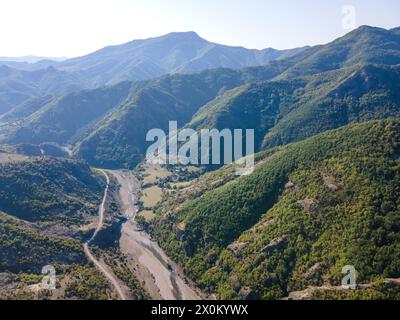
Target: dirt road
{"points": [[102, 267]]}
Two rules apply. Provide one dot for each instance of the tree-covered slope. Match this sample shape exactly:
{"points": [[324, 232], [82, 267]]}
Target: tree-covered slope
{"points": [[308, 210], [364, 45], [127, 111], [48, 189], [359, 94], [48, 208], [23, 248], [120, 139], [284, 111], [24, 110], [64, 119], [18, 86]]}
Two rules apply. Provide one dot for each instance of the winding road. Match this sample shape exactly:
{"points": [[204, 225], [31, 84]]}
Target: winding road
{"points": [[100, 265], [162, 274]]}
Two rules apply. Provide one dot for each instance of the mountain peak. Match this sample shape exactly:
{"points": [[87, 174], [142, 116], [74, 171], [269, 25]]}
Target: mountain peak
{"points": [[395, 30], [367, 29], [183, 35]]}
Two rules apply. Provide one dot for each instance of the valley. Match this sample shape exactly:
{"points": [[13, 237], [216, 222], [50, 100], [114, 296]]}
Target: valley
{"points": [[77, 194]]}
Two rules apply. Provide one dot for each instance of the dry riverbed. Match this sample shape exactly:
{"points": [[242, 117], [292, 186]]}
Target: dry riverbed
{"points": [[161, 277]]}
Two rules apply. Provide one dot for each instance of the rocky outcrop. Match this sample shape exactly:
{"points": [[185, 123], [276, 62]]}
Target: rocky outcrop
{"points": [[290, 185], [331, 183], [247, 293], [276, 244], [308, 204], [314, 271], [8, 281], [237, 246]]}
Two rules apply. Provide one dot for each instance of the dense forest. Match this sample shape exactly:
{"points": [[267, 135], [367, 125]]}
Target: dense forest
{"points": [[308, 210]]}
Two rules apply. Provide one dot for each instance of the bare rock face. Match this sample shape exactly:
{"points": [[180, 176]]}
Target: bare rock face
{"points": [[247, 293], [234, 282], [8, 281], [290, 185], [301, 295], [313, 271], [237, 246], [308, 204], [331, 183], [276, 244]]}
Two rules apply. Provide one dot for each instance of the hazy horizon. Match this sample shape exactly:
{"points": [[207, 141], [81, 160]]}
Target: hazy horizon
{"points": [[72, 28]]}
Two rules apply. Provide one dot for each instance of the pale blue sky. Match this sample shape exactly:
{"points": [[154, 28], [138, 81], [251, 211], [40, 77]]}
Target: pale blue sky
{"points": [[76, 27]]}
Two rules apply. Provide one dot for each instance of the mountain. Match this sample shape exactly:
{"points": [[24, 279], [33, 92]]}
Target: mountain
{"points": [[283, 108], [284, 111], [22, 79], [29, 63], [114, 120], [25, 109], [366, 92], [29, 59], [284, 101], [178, 52], [183, 52], [48, 189], [108, 126], [49, 207], [365, 45], [65, 118], [120, 139], [308, 210], [18, 86], [324, 193], [25, 249], [43, 202]]}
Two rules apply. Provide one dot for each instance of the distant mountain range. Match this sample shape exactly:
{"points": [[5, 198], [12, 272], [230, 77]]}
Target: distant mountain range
{"points": [[178, 52], [137, 60], [19, 86], [173, 53], [30, 59], [352, 79]]}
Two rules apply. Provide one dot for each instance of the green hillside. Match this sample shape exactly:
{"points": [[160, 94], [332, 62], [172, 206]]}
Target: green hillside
{"points": [[120, 139], [48, 189], [284, 111], [308, 210], [364, 45], [18, 86], [64, 119], [23, 248]]}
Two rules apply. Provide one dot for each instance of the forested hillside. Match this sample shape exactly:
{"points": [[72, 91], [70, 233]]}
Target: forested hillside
{"points": [[284, 111], [308, 210], [18, 86], [48, 189]]}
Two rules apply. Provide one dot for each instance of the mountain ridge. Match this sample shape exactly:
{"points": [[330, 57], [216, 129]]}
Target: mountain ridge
{"points": [[280, 115]]}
